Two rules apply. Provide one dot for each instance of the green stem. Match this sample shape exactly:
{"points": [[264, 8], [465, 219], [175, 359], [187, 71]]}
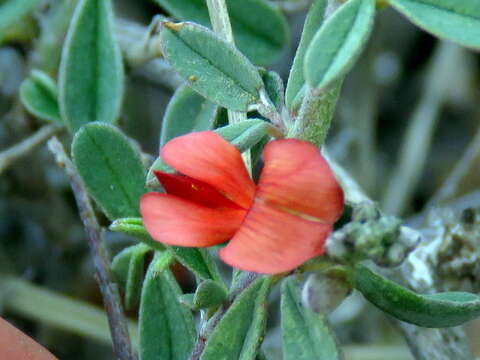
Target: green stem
{"points": [[25, 299]]}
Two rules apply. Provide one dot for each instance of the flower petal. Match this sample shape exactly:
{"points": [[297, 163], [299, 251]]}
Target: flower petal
{"points": [[194, 190], [207, 157], [175, 221], [297, 179], [271, 241]]}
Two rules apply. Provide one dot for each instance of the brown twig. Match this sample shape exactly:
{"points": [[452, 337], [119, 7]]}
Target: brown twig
{"points": [[118, 325]]}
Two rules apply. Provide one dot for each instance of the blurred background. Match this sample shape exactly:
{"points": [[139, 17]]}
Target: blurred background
{"points": [[407, 117]]}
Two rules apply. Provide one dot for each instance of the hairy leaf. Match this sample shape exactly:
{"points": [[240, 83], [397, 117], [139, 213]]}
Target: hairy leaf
{"points": [[239, 333], [212, 67], [111, 168], [453, 20], [186, 112], [167, 329], [128, 267], [199, 261], [38, 94], [260, 30], [296, 79], [91, 70], [433, 311], [245, 134], [337, 45], [305, 334]]}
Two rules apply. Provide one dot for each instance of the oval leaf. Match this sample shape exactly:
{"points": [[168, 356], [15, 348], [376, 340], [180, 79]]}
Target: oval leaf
{"points": [[245, 134], [274, 88], [338, 43], [453, 20], [186, 112], [305, 334], [260, 30], [209, 293], [91, 70], [134, 227], [433, 311], [296, 80], [128, 267], [38, 94], [213, 67], [199, 261], [111, 169], [239, 333], [167, 329]]}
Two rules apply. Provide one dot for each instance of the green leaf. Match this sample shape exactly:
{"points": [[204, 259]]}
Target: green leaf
{"points": [[167, 328], [12, 11], [212, 67], [337, 45], [245, 134], [305, 334], [187, 112], [433, 311], [260, 29], [274, 88], [111, 169], [38, 94], [454, 20], [134, 227], [208, 294], [296, 80], [199, 261], [91, 70], [239, 333], [128, 267]]}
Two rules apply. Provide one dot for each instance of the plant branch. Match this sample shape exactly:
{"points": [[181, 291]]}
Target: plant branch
{"points": [[118, 325], [418, 139], [25, 147]]}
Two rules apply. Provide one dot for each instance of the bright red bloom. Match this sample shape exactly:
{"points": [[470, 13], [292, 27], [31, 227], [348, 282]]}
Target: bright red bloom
{"points": [[274, 226]]}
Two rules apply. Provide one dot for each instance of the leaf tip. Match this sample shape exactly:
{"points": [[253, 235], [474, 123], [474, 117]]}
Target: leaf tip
{"points": [[173, 26]]}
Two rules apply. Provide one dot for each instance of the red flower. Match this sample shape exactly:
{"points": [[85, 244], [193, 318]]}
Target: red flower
{"points": [[274, 226]]}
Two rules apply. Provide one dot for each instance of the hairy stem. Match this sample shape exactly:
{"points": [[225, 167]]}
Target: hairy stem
{"points": [[109, 289]]}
